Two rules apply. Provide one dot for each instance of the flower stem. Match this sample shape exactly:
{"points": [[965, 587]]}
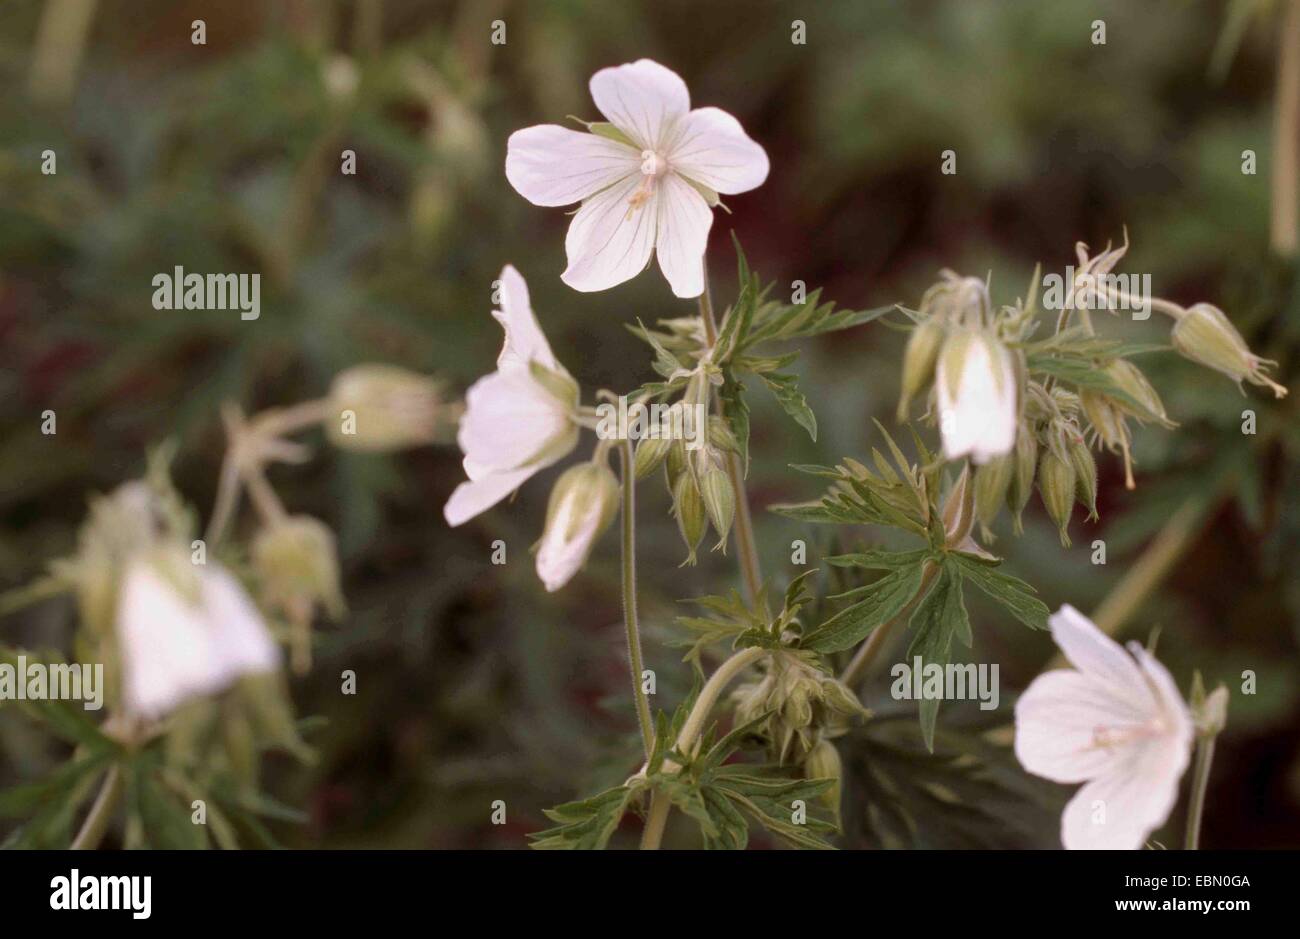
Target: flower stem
{"points": [[100, 816], [629, 596], [1200, 782], [746, 547], [691, 729], [1286, 134]]}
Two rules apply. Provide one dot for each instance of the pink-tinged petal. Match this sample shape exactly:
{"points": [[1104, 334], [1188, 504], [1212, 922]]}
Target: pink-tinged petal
{"points": [[478, 495], [712, 148], [1058, 720], [609, 240], [562, 553], [1096, 654], [1176, 714], [525, 342], [644, 100], [1118, 811], [684, 222], [552, 165]]}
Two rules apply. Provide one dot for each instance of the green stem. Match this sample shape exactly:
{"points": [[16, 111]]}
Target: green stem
{"points": [[746, 547], [629, 596], [1200, 782], [691, 729], [97, 821]]}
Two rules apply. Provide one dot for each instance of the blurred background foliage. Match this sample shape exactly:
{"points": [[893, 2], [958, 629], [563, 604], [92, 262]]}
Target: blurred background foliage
{"points": [[474, 684]]}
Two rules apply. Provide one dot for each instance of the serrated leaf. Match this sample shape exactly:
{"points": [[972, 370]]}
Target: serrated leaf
{"points": [[1011, 592], [785, 388], [939, 619], [879, 603]]}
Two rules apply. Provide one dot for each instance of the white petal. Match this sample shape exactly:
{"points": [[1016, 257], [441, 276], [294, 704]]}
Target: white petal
{"points": [[977, 407], [609, 241], [644, 100], [560, 557], [240, 641], [1119, 810], [1177, 715], [510, 420], [1101, 657], [683, 235], [164, 643], [478, 495], [1057, 719], [553, 165], [525, 342], [712, 148]]}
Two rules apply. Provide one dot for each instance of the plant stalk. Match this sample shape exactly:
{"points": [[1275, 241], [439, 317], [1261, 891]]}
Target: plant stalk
{"points": [[100, 816], [1200, 783], [630, 622], [1286, 135]]}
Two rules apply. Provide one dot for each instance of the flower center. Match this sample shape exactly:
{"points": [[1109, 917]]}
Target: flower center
{"points": [[1105, 738], [653, 166]]}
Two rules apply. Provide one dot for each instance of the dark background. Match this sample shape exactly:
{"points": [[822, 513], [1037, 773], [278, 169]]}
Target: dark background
{"points": [[475, 684]]}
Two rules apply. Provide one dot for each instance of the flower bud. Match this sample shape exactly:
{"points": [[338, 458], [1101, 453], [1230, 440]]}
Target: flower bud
{"points": [[1130, 380], [1056, 484], [650, 453], [976, 390], [719, 502], [823, 762], [688, 507], [1085, 474], [1025, 457], [675, 465], [297, 565], [841, 703], [383, 407], [1205, 335], [992, 480], [720, 435], [582, 505], [918, 362]]}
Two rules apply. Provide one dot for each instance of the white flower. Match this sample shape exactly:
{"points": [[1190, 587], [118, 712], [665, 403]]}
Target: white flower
{"points": [[1118, 724], [583, 503], [975, 384], [184, 631], [647, 180], [518, 420]]}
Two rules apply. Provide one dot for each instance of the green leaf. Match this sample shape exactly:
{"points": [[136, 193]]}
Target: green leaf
{"points": [[881, 602], [940, 617], [584, 825], [786, 390], [1011, 592]]}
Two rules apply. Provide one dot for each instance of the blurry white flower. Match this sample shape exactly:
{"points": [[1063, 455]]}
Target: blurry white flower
{"points": [[518, 420], [184, 631], [583, 503], [1118, 724], [975, 384], [647, 180]]}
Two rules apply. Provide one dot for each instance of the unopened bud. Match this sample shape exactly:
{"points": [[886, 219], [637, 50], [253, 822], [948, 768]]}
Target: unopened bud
{"points": [[720, 435], [297, 564], [719, 502], [1025, 457], [1130, 380], [1205, 335], [650, 453], [992, 480], [918, 362], [823, 762], [1085, 474], [675, 465], [1056, 484], [688, 507], [389, 408], [582, 505]]}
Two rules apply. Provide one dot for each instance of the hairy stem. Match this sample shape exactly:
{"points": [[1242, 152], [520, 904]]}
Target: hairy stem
{"points": [[1286, 134], [629, 596], [746, 547], [690, 732], [100, 816], [1200, 782]]}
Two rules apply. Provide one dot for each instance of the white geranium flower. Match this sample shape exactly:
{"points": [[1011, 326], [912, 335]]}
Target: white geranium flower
{"points": [[647, 181], [583, 503], [1117, 724], [518, 420], [184, 631], [975, 384]]}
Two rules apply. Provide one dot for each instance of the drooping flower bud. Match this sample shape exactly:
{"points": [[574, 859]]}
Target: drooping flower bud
{"points": [[719, 502], [582, 505], [1025, 456], [1056, 483], [384, 407], [919, 357], [1085, 474], [975, 385], [1130, 380], [675, 464], [650, 453], [688, 508], [720, 435], [296, 560], [992, 480], [823, 762], [1205, 335]]}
